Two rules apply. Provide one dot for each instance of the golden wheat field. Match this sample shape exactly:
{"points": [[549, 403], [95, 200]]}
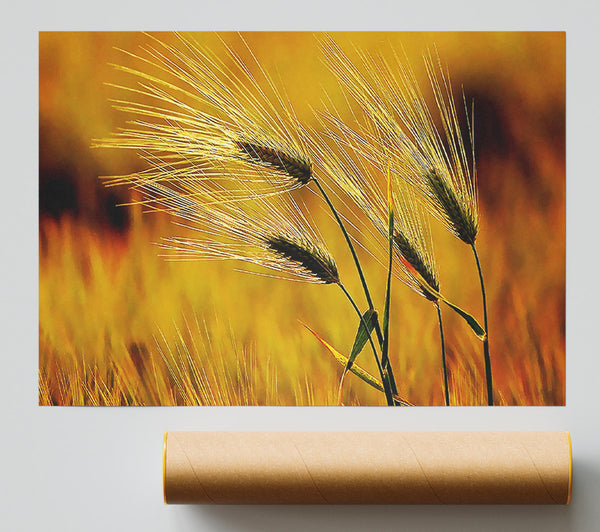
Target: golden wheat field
{"points": [[122, 324]]}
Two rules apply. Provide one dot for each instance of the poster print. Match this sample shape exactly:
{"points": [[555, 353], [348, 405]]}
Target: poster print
{"points": [[302, 219]]}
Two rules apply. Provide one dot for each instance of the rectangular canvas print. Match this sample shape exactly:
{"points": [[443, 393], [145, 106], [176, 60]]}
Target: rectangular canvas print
{"points": [[296, 218]]}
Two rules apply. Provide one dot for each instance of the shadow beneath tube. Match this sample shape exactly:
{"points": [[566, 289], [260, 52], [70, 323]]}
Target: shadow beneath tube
{"points": [[583, 514], [361, 518]]}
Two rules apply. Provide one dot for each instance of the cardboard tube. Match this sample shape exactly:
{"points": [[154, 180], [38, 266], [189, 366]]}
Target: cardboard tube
{"points": [[367, 467]]}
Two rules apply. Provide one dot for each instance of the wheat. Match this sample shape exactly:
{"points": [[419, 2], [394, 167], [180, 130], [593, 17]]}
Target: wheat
{"points": [[214, 135], [194, 109], [307, 256], [243, 231], [399, 129], [412, 259], [272, 233], [346, 167], [413, 242], [460, 220], [398, 135], [294, 165]]}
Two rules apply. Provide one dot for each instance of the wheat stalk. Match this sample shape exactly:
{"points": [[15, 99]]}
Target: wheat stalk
{"points": [[195, 166], [415, 248], [214, 134], [210, 123], [399, 133], [415, 263], [440, 170]]}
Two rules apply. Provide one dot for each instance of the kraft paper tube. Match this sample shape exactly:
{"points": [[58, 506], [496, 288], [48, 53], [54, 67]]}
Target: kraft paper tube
{"points": [[367, 467]]}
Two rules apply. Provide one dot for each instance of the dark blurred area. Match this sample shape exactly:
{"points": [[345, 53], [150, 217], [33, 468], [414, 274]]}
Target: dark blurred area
{"points": [[512, 136], [69, 184]]}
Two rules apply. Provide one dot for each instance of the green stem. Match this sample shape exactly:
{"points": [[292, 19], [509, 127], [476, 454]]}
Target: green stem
{"points": [[387, 367], [444, 366], [385, 347], [351, 246], [386, 384], [386, 311], [486, 342]]}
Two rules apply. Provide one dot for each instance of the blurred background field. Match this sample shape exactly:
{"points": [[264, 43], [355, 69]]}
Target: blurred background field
{"points": [[120, 325]]}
